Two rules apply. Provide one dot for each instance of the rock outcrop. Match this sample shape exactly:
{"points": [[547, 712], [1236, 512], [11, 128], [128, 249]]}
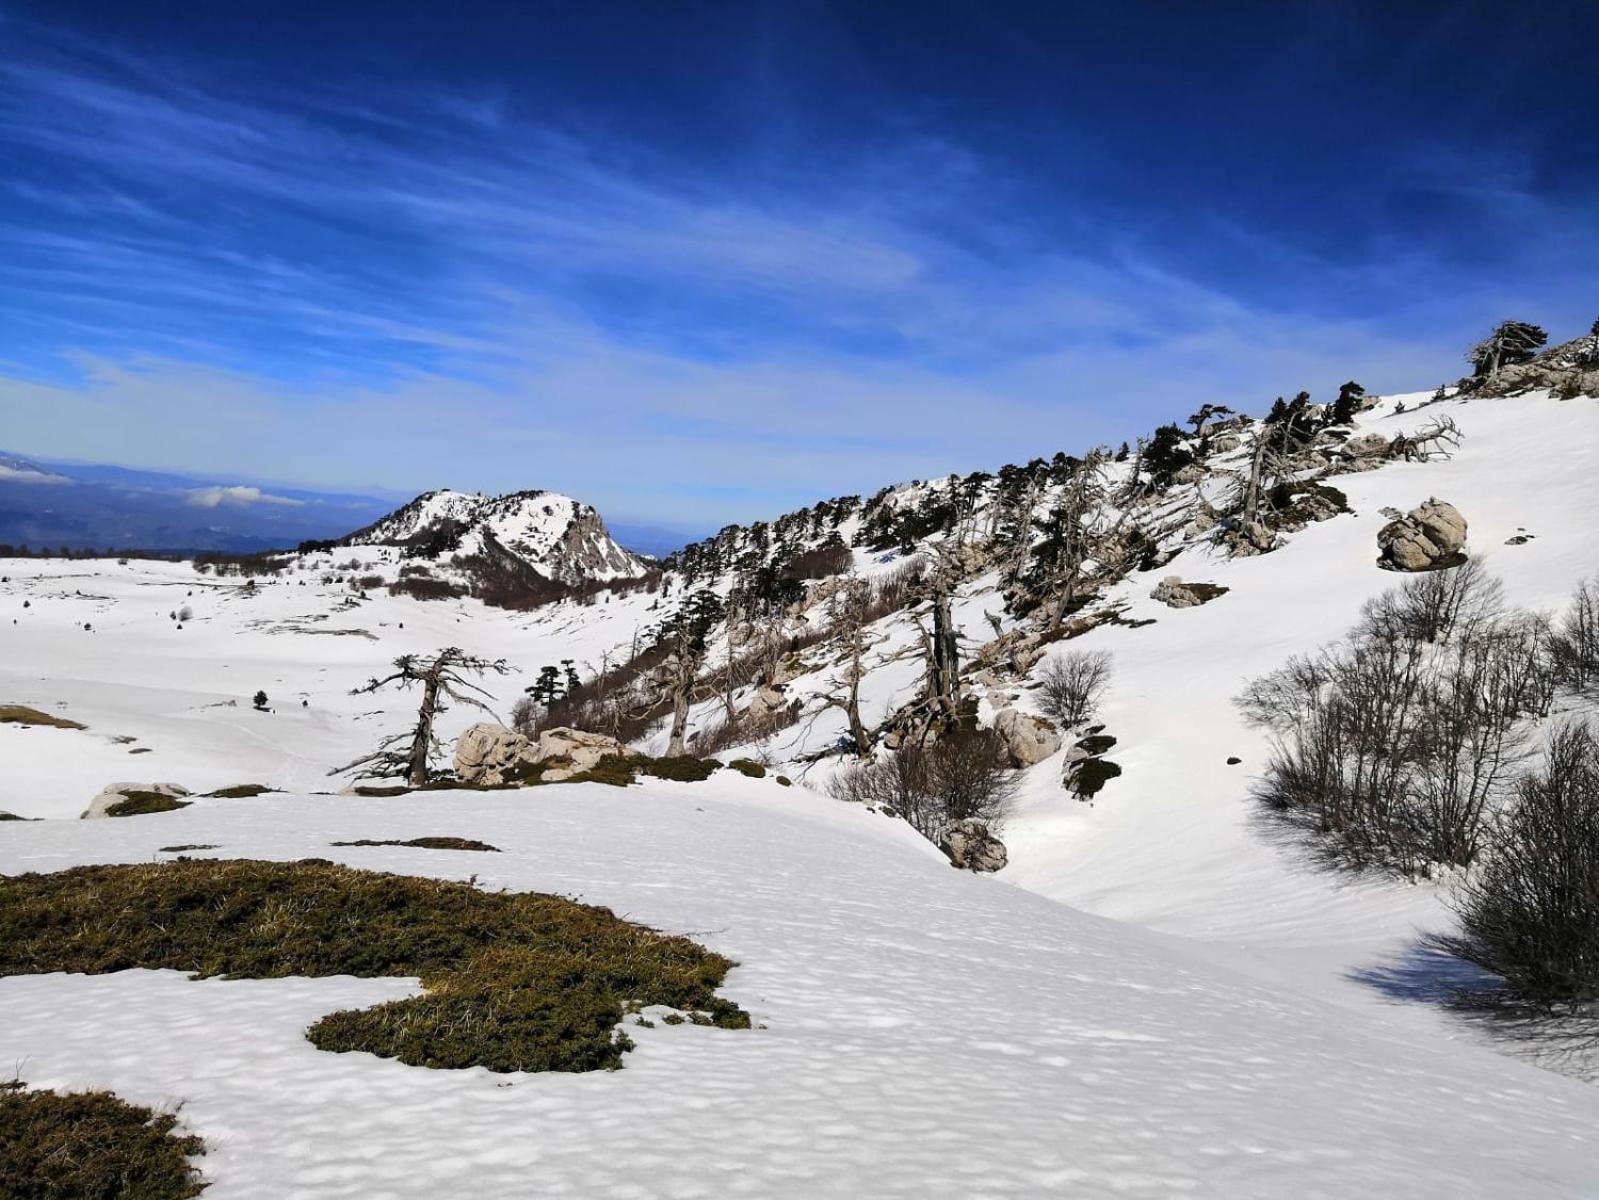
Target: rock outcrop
{"points": [[115, 793], [567, 752], [1028, 739], [490, 754], [1427, 538], [971, 847], [1172, 591]]}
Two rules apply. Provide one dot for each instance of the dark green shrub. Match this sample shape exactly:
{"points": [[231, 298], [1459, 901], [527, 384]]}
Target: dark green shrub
{"points": [[748, 766], [241, 791], [91, 1146], [426, 843], [515, 981], [1093, 774], [139, 803], [683, 768]]}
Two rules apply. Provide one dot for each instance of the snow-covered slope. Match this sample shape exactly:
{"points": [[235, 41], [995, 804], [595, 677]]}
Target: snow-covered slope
{"points": [[557, 536], [919, 1033]]}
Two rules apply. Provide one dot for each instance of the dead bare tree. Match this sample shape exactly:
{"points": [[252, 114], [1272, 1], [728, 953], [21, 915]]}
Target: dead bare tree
{"points": [[442, 677], [941, 645], [685, 637], [847, 612], [1440, 439]]}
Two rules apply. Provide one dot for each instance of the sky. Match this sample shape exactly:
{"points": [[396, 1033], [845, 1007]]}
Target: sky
{"points": [[696, 263]]}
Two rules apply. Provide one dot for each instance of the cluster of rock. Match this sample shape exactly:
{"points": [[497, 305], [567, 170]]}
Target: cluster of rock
{"points": [[491, 755], [1569, 370], [1172, 591], [971, 846], [1430, 536]]}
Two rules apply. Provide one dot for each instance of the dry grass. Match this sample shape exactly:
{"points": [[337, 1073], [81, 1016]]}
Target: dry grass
{"points": [[91, 1146], [20, 714]]}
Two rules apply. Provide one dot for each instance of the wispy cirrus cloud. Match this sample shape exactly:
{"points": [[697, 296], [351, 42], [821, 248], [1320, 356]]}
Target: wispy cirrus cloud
{"points": [[413, 285]]}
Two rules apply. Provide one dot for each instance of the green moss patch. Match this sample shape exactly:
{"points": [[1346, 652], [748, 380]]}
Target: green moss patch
{"points": [[428, 843], [19, 714], [91, 1146], [748, 766], [514, 981], [186, 847], [138, 803], [241, 791]]}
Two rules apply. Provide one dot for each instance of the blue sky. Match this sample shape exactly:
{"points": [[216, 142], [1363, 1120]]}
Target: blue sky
{"points": [[696, 263]]}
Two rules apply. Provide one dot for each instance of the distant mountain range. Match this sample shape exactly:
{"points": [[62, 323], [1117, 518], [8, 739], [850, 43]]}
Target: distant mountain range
{"points": [[86, 506]]}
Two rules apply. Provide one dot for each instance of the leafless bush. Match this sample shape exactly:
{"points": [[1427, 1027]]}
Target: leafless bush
{"points": [[1399, 744], [1530, 914], [1072, 685], [1574, 645], [965, 774], [745, 730], [1438, 605]]}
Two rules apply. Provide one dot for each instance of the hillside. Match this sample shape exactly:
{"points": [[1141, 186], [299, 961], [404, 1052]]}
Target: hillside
{"points": [[1157, 993]]}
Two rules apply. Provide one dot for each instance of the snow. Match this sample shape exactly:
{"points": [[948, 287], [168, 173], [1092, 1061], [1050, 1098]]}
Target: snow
{"points": [[920, 1032], [1155, 998]]}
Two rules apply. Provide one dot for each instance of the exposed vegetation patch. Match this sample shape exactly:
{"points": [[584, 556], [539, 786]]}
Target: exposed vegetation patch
{"points": [[1093, 774], [91, 1146], [187, 847], [619, 770], [139, 803], [427, 843], [749, 767], [8, 816], [241, 791], [19, 714], [514, 981]]}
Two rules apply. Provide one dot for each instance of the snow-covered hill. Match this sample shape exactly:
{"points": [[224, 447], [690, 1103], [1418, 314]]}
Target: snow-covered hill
{"points": [[1155, 997], [556, 536]]}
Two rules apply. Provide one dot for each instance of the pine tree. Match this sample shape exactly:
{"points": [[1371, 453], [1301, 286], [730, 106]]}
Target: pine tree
{"points": [[1510, 342]]}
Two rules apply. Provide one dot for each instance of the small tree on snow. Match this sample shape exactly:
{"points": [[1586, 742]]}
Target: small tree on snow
{"points": [[442, 677]]}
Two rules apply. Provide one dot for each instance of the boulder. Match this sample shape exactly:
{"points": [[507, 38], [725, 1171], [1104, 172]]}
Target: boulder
{"points": [[765, 702], [115, 793], [1028, 739], [971, 847], [1192, 473], [568, 752], [1430, 536], [1174, 592], [489, 754]]}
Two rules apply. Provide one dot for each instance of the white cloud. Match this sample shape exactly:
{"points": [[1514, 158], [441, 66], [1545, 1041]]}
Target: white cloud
{"points": [[14, 475], [236, 497]]}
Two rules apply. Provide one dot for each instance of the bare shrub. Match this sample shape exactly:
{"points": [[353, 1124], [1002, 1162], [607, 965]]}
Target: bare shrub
{"points": [[1439, 605], [1574, 644], [964, 775], [745, 730], [1398, 745], [1072, 685], [1530, 913]]}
